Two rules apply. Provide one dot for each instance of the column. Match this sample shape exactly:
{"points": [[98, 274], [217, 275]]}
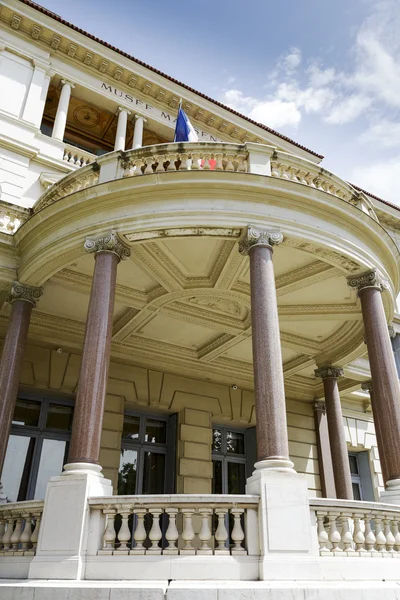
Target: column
{"points": [[138, 132], [271, 428], [22, 299], [385, 381], [324, 451], [337, 439], [108, 250], [121, 128], [367, 387], [62, 110]]}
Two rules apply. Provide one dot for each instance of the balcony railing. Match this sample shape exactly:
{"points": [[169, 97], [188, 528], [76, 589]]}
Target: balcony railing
{"points": [[242, 159], [19, 527]]}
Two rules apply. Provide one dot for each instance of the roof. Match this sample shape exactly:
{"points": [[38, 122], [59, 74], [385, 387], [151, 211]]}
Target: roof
{"points": [[375, 197], [56, 17]]}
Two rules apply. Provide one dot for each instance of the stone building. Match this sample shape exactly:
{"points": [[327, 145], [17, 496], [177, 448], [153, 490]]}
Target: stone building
{"points": [[198, 385]]}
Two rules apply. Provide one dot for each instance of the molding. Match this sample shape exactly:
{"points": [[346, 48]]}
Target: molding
{"points": [[255, 236]]}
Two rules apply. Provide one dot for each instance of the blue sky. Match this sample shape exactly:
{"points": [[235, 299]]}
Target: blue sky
{"points": [[326, 73]]}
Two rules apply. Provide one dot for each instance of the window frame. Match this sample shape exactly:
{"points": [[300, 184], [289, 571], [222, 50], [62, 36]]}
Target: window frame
{"points": [[356, 477], [226, 457]]}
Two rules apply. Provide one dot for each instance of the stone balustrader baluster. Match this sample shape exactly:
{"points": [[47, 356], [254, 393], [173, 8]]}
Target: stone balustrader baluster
{"points": [[161, 159], [205, 531], [218, 164], [195, 161], [229, 162], [396, 533], [124, 535], [8, 533], [184, 158], [188, 531], [221, 535], [390, 540], [35, 532], [171, 158], [149, 161], [139, 534], [380, 543], [370, 538], [358, 536], [323, 538], [139, 163], [172, 533], [155, 532], [274, 169], [109, 534], [347, 536], [334, 534], [16, 536], [242, 163], [237, 534], [26, 533], [206, 162]]}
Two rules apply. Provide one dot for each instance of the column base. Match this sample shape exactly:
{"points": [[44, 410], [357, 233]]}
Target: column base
{"points": [[63, 535], [282, 465], [392, 493]]}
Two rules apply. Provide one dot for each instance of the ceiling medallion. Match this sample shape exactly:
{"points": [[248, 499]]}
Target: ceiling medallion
{"points": [[87, 116]]}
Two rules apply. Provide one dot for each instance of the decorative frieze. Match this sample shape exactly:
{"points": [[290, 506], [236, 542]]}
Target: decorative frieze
{"points": [[26, 293], [367, 279], [110, 242], [329, 372], [261, 237]]}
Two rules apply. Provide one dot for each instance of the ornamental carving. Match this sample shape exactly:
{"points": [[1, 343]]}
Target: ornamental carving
{"points": [[367, 279], [329, 372], [25, 293], [223, 305], [110, 242], [259, 236], [366, 386]]}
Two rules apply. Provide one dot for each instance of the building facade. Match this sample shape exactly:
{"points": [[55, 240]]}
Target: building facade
{"points": [[198, 378]]}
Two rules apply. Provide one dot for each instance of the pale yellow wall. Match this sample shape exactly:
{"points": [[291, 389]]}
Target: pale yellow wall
{"points": [[198, 403]]}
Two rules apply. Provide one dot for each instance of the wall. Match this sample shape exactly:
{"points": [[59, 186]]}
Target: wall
{"points": [[198, 403]]}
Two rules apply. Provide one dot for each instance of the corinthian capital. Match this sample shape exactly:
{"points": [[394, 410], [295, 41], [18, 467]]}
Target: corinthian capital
{"points": [[262, 237], [366, 386], [329, 372], [25, 293], [109, 242], [367, 279]]}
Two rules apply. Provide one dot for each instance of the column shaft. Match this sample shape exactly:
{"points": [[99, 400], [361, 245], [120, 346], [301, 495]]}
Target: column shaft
{"points": [[89, 405], [138, 132], [337, 440], [120, 136], [385, 400], [62, 111]]}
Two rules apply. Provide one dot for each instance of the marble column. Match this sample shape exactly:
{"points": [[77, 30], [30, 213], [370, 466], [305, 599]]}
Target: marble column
{"points": [[138, 132], [84, 450], [337, 439], [385, 381], [62, 110], [22, 299], [270, 406], [367, 387], [120, 136]]}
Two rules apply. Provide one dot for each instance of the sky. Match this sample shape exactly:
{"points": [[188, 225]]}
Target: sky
{"points": [[326, 73]]}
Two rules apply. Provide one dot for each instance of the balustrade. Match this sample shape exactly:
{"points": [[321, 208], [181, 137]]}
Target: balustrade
{"points": [[77, 156], [357, 528], [19, 527], [185, 525]]}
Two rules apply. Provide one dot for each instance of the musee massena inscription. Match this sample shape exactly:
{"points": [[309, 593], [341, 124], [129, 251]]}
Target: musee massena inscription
{"points": [[153, 112]]}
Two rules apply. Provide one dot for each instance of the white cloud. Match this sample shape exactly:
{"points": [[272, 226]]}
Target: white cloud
{"points": [[292, 60], [384, 133], [348, 109], [274, 113], [380, 179]]}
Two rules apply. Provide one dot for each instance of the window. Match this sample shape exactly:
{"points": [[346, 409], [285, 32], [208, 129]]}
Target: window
{"points": [[37, 447], [229, 461], [147, 463], [361, 476]]}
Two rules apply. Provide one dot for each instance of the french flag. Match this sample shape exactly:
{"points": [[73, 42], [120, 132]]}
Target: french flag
{"points": [[184, 130]]}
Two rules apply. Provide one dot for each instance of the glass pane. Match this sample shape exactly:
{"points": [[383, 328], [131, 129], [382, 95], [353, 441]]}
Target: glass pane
{"points": [[127, 473], [217, 477], [353, 464], [17, 467], [234, 442], [356, 491], [26, 413], [131, 428], [217, 440], [155, 431], [59, 417], [51, 464], [236, 478], [153, 473]]}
